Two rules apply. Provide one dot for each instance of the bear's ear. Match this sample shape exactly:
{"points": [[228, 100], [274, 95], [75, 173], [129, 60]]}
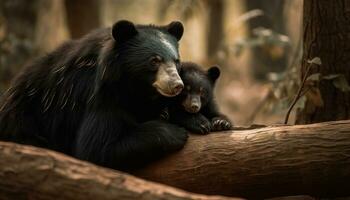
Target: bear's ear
{"points": [[123, 30], [176, 29], [213, 73]]}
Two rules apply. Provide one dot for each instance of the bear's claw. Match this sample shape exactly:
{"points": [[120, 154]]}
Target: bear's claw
{"points": [[220, 124]]}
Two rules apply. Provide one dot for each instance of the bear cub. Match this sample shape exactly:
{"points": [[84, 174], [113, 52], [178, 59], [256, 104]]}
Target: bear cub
{"points": [[195, 108]]}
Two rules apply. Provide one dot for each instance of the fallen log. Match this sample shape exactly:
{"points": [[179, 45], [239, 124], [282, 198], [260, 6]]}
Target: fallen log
{"points": [[260, 163], [32, 173]]}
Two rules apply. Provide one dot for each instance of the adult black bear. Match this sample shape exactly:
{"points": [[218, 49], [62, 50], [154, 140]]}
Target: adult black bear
{"points": [[195, 108], [98, 98]]}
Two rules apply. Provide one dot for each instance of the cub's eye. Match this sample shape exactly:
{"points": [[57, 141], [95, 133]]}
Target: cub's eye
{"points": [[156, 60]]}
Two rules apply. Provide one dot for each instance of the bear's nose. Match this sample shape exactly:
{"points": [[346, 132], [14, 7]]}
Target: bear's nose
{"points": [[195, 107], [178, 88]]}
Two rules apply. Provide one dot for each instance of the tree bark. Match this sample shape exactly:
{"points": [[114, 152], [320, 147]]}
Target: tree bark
{"points": [[262, 163], [326, 35], [32, 173], [258, 163]]}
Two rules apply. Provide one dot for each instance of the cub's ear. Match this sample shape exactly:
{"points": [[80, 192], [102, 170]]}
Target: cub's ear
{"points": [[123, 30], [176, 29], [213, 73]]}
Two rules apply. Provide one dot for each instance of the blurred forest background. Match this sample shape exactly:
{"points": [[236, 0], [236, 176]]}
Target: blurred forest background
{"points": [[256, 43]]}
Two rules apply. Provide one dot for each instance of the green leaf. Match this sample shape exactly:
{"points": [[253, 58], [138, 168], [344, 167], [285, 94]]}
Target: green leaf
{"points": [[315, 97], [273, 76], [341, 83], [314, 77], [331, 76], [249, 15], [315, 60], [301, 102]]}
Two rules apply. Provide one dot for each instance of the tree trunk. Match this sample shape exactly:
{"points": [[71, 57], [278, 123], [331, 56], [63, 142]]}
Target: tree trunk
{"points": [[215, 27], [258, 163], [83, 16], [326, 35], [32, 173]]}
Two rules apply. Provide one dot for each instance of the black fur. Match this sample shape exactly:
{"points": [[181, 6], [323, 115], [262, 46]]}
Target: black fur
{"points": [[93, 98], [198, 82]]}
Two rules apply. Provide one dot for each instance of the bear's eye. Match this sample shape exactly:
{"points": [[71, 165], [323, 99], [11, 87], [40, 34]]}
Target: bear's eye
{"points": [[156, 60], [201, 92], [178, 65]]}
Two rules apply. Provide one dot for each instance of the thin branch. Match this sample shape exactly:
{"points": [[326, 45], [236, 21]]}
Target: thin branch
{"points": [[297, 97], [305, 91]]}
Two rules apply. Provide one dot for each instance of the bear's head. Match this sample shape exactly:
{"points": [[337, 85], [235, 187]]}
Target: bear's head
{"points": [[199, 86], [144, 57]]}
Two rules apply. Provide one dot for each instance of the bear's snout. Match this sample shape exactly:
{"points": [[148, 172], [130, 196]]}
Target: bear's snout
{"points": [[168, 82], [177, 88], [192, 103]]}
